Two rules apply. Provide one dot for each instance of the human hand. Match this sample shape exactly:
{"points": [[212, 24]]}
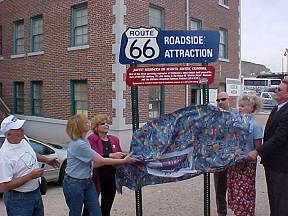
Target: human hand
{"points": [[130, 160], [252, 155], [36, 173], [117, 155], [53, 162]]}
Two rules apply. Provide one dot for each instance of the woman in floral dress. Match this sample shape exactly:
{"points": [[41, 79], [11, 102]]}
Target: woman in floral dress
{"points": [[241, 177]]}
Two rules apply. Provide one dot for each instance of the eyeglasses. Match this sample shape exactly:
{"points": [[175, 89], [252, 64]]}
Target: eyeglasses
{"points": [[104, 123], [221, 99]]}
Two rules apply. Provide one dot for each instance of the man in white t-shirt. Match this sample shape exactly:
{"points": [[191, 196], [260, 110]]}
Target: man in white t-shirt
{"points": [[19, 171]]}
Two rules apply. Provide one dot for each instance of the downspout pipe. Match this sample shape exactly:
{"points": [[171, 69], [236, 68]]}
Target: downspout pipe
{"points": [[187, 28]]}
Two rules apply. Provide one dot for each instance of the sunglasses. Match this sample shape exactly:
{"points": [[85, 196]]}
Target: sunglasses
{"points": [[104, 123], [221, 99]]}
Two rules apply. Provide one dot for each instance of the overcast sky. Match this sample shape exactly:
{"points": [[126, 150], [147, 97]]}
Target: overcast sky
{"points": [[264, 32]]}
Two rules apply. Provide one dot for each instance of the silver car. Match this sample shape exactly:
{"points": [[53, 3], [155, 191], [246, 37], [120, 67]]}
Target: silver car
{"points": [[51, 174], [268, 99]]}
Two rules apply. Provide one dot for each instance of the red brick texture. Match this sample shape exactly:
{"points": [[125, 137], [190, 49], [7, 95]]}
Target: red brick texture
{"points": [[57, 66]]}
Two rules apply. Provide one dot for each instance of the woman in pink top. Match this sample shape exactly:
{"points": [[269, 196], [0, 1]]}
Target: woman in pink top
{"points": [[108, 147]]}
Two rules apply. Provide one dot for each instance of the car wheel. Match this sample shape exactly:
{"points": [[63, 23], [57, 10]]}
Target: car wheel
{"points": [[62, 173]]}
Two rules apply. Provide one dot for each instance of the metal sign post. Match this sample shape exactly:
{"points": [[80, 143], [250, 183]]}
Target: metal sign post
{"points": [[135, 125], [205, 100], [206, 175]]}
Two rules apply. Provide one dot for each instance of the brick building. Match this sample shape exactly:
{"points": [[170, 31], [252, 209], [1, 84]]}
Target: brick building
{"points": [[59, 58]]}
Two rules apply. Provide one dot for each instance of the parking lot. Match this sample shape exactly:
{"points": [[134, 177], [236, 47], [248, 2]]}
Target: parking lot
{"points": [[181, 198]]}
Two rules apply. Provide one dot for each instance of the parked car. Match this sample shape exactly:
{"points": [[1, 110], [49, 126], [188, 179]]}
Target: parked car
{"points": [[268, 99], [51, 174]]}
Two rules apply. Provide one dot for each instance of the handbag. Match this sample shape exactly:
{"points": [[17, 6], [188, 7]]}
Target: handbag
{"points": [[43, 186]]}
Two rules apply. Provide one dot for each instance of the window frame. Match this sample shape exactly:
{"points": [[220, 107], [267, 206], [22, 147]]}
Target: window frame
{"points": [[160, 100], [73, 96], [35, 100], [33, 36], [74, 26], [198, 21], [18, 101], [224, 3], [223, 46], [17, 38]]}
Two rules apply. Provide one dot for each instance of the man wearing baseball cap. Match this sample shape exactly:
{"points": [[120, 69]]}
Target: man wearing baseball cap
{"points": [[19, 171]]}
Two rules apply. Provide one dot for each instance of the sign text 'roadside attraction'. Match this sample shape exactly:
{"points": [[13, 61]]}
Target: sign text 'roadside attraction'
{"points": [[169, 75], [152, 46]]}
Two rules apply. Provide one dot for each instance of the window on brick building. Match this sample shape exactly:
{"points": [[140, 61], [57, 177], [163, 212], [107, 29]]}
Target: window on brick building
{"points": [[156, 17], [19, 97], [37, 33], [195, 24], [156, 93], [80, 25], [36, 98], [223, 45], [79, 97], [223, 2], [1, 41], [18, 37]]}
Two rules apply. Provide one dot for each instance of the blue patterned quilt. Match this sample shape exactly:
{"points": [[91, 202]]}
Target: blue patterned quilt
{"points": [[184, 144]]}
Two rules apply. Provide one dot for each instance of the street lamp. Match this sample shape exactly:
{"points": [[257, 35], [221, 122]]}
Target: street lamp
{"points": [[285, 55]]}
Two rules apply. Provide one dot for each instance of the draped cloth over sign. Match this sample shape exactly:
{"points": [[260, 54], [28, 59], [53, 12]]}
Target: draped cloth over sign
{"points": [[184, 144]]}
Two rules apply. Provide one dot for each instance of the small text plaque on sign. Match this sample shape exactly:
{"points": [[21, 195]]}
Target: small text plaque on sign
{"points": [[169, 75]]}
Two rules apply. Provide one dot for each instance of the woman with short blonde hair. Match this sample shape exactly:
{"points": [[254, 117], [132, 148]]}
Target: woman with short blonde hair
{"points": [[108, 146], [78, 186], [253, 101], [98, 119], [241, 177], [76, 125]]}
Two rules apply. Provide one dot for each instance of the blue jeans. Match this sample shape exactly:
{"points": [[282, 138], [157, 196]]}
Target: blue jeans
{"points": [[78, 192], [23, 204]]}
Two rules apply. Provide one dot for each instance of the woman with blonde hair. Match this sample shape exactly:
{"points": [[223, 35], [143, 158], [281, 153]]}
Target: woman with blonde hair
{"points": [[241, 178], [108, 147], [78, 186]]}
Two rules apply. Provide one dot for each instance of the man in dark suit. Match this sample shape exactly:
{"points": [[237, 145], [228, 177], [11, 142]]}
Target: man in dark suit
{"points": [[274, 153]]}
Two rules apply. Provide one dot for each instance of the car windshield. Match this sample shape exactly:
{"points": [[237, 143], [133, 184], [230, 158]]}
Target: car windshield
{"points": [[55, 146], [272, 94]]}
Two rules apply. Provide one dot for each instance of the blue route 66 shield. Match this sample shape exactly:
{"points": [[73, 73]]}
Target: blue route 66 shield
{"points": [[142, 44]]}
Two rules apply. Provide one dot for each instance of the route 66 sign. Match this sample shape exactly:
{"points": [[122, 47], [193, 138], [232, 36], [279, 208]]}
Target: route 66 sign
{"points": [[152, 46], [141, 45]]}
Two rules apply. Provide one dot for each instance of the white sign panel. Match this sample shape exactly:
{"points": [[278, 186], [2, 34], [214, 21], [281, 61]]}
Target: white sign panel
{"points": [[233, 87], [142, 44]]}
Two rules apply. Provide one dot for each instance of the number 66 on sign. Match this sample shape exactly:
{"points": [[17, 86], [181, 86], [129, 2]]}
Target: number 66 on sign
{"points": [[142, 45]]}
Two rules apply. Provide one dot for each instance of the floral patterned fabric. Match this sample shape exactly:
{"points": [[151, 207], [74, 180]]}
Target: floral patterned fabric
{"points": [[188, 142], [241, 189]]}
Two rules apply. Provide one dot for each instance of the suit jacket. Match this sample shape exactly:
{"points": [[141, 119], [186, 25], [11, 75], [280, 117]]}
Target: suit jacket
{"points": [[96, 144], [274, 151]]}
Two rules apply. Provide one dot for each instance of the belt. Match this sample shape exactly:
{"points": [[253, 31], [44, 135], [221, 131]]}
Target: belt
{"points": [[77, 178], [14, 191]]}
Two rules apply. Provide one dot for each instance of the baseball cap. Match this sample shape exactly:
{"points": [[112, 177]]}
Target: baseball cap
{"points": [[11, 122]]}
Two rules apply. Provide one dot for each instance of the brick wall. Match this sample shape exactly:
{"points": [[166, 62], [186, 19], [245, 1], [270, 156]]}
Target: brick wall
{"points": [[58, 66]]}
